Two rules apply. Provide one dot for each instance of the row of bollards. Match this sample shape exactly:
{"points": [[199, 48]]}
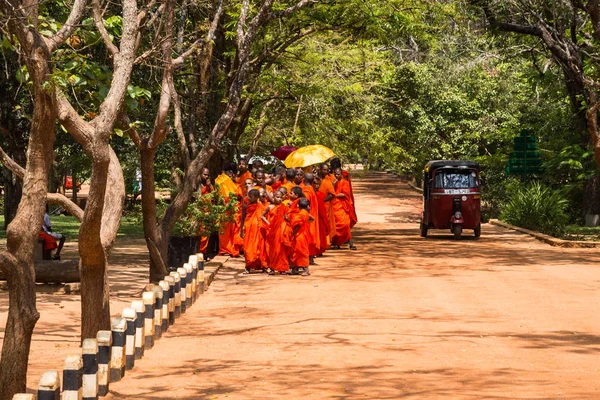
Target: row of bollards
{"points": [[105, 358]]}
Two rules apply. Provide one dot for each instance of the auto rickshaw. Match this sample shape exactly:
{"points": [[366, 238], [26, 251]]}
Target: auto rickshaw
{"points": [[451, 197]]}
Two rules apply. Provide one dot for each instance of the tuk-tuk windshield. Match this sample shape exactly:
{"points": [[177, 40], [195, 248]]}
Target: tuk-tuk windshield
{"points": [[455, 179]]}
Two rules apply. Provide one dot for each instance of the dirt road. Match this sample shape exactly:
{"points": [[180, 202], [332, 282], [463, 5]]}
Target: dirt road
{"points": [[503, 317]]}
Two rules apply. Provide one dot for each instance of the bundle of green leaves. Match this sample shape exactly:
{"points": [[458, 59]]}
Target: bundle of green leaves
{"points": [[206, 214]]}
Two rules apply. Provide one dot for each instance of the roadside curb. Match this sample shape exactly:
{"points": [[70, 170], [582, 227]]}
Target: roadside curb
{"points": [[113, 352], [573, 244], [212, 267]]}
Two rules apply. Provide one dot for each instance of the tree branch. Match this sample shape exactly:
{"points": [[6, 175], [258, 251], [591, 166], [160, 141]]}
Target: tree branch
{"points": [[290, 10], [69, 26], [51, 198], [97, 13]]}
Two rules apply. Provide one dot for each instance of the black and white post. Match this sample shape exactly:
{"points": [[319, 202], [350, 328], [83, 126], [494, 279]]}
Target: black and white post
{"points": [[104, 346], [117, 356], [164, 285], [183, 285], [140, 334], [129, 316], [148, 299], [72, 377], [89, 350], [49, 387]]}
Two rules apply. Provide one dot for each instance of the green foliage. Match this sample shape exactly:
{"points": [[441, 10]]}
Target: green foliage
{"points": [[206, 215], [130, 227], [538, 208]]}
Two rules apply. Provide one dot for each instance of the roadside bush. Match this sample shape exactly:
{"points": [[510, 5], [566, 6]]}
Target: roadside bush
{"points": [[538, 208]]}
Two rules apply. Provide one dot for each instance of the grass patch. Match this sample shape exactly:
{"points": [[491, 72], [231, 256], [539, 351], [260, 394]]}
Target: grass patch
{"points": [[576, 232], [131, 228]]}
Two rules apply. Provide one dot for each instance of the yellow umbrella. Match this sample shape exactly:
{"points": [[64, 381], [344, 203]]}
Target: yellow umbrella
{"points": [[226, 185], [308, 155]]}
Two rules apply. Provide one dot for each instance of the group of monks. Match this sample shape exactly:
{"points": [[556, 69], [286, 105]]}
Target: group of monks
{"points": [[286, 219]]}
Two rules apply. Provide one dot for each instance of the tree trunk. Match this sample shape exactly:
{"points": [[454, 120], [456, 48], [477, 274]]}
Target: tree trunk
{"points": [[158, 254], [17, 263], [13, 190], [53, 271], [97, 235], [22, 317]]}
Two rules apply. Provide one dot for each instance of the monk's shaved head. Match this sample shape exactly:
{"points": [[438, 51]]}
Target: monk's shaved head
{"points": [[290, 174], [297, 191], [309, 178]]}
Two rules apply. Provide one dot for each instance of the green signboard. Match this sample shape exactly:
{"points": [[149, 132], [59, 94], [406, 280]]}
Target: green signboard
{"points": [[525, 160]]}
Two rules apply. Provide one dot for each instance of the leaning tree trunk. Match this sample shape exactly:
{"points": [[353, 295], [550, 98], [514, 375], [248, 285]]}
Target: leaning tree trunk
{"points": [[22, 233], [97, 235]]}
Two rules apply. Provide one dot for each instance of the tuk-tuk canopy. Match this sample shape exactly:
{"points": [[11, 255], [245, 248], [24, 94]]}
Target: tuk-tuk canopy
{"points": [[435, 164]]}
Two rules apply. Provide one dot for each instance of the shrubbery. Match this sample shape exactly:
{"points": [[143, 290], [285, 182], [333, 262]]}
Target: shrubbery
{"points": [[538, 208]]}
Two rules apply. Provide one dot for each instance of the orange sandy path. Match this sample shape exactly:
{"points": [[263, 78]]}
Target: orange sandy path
{"points": [[502, 317]]}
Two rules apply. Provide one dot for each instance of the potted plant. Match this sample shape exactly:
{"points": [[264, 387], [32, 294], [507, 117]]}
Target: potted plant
{"points": [[205, 215]]}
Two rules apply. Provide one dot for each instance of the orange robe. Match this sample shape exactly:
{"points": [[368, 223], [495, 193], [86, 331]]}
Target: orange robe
{"points": [[300, 242], [240, 181], [291, 211], [353, 216], [278, 240], [253, 239], [229, 238], [277, 184], [341, 210], [327, 188], [288, 186], [204, 239], [314, 240], [323, 224]]}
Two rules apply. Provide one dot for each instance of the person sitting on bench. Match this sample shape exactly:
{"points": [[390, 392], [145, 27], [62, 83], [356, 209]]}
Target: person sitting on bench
{"points": [[50, 238]]}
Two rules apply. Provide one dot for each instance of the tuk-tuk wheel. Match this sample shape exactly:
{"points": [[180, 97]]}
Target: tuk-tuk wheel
{"points": [[423, 230], [457, 231], [478, 231]]}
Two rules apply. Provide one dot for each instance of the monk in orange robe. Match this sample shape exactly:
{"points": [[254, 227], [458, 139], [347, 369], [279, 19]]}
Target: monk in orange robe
{"points": [[290, 174], [336, 163], [261, 183], [264, 202], [243, 175], [278, 241], [229, 231], [341, 209], [301, 237], [206, 187], [229, 240], [295, 195], [314, 242], [323, 218], [251, 225], [279, 177], [329, 191]]}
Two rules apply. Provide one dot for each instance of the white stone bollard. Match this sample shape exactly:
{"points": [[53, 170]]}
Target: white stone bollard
{"points": [[72, 377], [49, 387], [177, 294], [140, 334], [158, 309], [117, 354], [164, 285], [189, 284], [89, 350], [104, 346], [183, 285], [130, 317], [148, 298]]}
